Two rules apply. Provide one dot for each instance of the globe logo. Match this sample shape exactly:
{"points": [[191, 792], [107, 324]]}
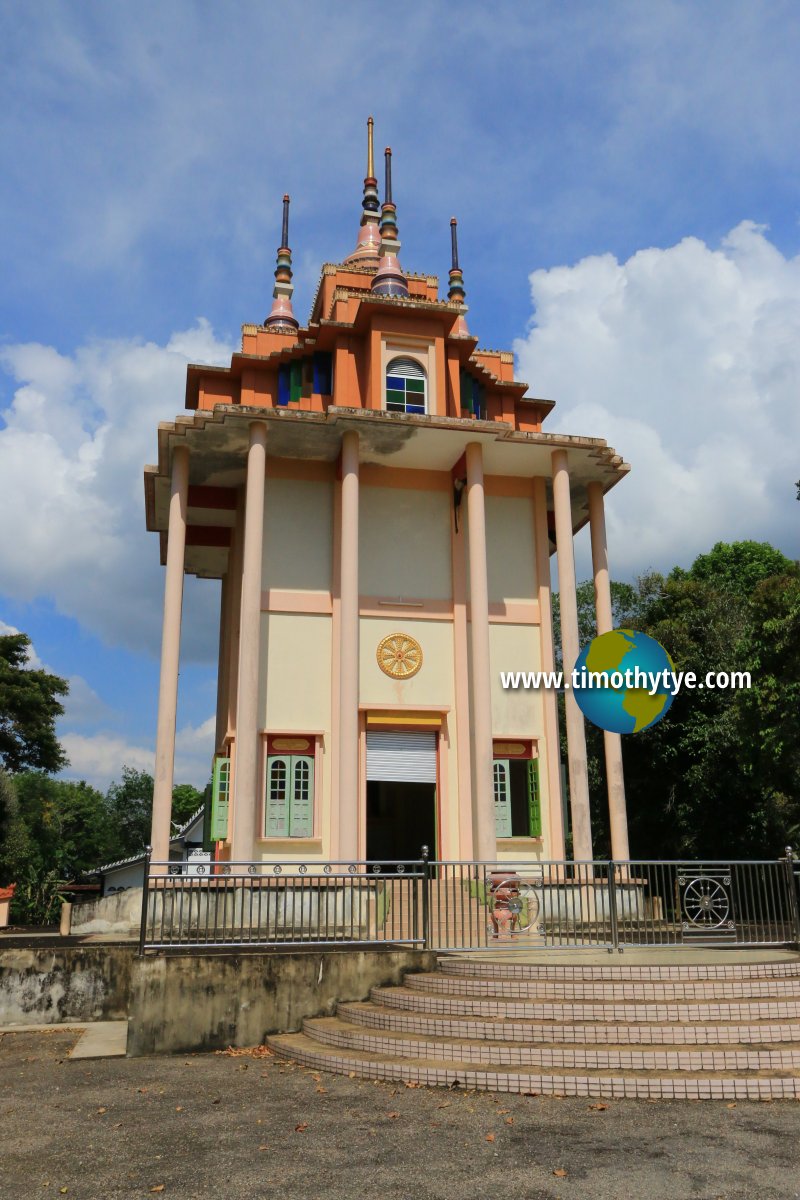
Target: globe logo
{"points": [[634, 690]]}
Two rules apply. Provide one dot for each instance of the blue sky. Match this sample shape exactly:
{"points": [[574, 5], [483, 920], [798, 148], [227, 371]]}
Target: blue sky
{"points": [[627, 185]]}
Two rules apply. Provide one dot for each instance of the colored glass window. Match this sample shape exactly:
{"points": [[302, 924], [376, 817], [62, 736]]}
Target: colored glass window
{"points": [[406, 386]]}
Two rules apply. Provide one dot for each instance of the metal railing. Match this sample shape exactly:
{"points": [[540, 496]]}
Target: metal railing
{"points": [[240, 904], [441, 905]]}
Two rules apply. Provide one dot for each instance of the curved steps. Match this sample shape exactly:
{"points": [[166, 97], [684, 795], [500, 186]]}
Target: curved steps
{"points": [[674, 1031]]}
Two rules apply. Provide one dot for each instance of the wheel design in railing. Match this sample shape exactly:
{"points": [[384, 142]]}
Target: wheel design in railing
{"points": [[706, 902], [514, 907]]}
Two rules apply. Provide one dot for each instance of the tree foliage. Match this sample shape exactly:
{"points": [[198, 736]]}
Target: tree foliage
{"points": [[29, 706]]}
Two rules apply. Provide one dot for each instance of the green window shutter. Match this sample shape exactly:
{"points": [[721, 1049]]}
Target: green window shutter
{"points": [[465, 380], [301, 813], [220, 799], [534, 799], [296, 379], [277, 808], [502, 798]]}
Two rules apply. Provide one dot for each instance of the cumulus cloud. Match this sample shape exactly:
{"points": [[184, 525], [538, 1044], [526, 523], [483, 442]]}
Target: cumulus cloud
{"points": [[98, 758], [73, 442], [687, 360]]}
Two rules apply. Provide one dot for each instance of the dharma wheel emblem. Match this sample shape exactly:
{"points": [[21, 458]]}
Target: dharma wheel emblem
{"points": [[399, 656]]}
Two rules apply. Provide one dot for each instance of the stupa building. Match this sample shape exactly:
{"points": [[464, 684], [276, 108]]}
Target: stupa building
{"points": [[381, 503]]}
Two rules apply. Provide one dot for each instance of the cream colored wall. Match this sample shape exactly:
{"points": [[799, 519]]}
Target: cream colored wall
{"points": [[404, 543], [298, 524], [295, 697], [510, 548], [433, 685], [519, 712]]}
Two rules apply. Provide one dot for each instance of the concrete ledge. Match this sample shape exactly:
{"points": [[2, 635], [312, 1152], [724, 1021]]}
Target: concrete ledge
{"points": [[207, 1002]]}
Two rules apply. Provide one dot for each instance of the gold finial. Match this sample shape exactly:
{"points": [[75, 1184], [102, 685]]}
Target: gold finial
{"points": [[370, 153]]}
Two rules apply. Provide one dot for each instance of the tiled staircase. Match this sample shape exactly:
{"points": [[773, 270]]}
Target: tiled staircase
{"points": [[686, 1030]]}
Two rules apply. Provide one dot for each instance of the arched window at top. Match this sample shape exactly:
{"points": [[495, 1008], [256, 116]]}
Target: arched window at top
{"points": [[406, 386]]}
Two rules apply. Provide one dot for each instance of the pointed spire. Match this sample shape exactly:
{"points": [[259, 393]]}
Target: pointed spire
{"points": [[281, 318], [389, 279], [368, 245], [456, 292]]}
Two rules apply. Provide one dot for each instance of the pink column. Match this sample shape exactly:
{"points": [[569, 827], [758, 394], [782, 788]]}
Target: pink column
{"points": [[576, 734], [464, 848], [170, 655], [246, 776], [348, 651], [223, 661], [485, 836], [612, 742], [552, 755]]}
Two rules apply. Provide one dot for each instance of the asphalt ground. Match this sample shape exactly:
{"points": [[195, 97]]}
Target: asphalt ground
{"points": [[239, 1126]]}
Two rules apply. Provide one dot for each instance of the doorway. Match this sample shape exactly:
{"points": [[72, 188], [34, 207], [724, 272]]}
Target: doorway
{"points": [[401, 794]]}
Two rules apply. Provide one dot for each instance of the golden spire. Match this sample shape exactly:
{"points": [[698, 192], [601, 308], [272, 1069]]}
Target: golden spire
{"points": [[370, 152]]}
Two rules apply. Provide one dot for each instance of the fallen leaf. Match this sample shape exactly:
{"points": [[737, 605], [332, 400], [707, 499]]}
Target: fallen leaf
{"points": [[490, 1137], [502, 1111], [178, 1108], [102, 1110], [393, 1116], [598, 1107], [560, 1172], [216, 1100], [409, 1084], [351, 1075], [731, 1105], [318, 1078], [509, 1120], [322, 1090], [446, 1104], [142, 1090], [117, 1125], [302, 1127], [263, 1147], [160, 1186]]}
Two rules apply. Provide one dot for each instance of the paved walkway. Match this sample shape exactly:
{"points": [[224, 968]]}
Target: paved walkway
{"points": [[241, 1127]]}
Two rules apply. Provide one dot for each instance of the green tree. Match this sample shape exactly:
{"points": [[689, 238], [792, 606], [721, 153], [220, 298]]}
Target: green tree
{"points": [[186, 800], [29, 707], [130, 805]]}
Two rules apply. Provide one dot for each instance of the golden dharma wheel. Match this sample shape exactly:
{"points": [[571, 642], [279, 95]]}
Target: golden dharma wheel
{"points": [[399, 656]]}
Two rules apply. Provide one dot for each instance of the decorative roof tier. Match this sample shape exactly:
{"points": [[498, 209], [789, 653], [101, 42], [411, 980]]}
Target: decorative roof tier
{"points": [[389, 279], [281, 318], [456, 291], [368, 246]]}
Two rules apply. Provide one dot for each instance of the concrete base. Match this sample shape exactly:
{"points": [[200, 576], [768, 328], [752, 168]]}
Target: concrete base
{"points": [[210, 1001], [54, 984]]}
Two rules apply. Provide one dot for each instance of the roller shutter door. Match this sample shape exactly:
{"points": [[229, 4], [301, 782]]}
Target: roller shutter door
{"points": [[396, 757]]}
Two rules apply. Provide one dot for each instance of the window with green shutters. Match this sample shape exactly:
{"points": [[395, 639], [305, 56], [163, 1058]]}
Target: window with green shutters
{"points": [[502, 798], [289, 796], [517, 805], [220, 799], [534, 802]]}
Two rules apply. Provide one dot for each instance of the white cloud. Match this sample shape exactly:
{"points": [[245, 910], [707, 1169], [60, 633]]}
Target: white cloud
{"points": [[98, 758], [687, 360], [77, 435]]}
